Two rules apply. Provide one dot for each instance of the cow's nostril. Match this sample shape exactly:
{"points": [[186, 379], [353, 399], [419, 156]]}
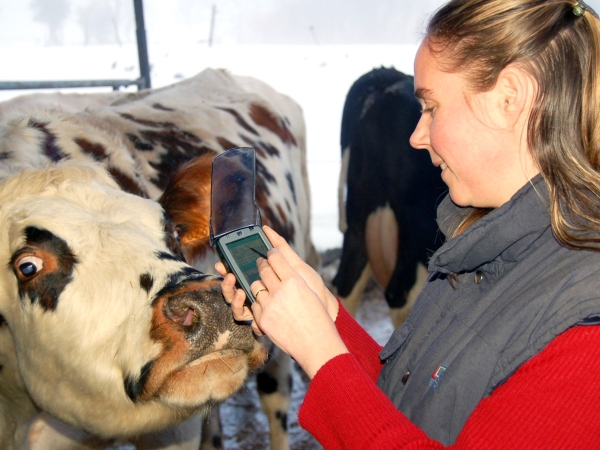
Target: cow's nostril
{"points": [[182, 314]]}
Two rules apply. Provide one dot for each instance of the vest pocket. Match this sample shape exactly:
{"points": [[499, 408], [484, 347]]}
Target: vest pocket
{"points": [[393, 347]]}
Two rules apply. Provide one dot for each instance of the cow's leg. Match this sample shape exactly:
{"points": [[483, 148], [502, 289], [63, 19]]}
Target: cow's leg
{"points": [[274, 385], [400, 314], [212, 435], [352, 301]]}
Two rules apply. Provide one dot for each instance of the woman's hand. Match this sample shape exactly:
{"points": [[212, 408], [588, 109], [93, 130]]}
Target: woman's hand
{"points": [[312, 278], [295, 308], [293, 315], [237, 297]]}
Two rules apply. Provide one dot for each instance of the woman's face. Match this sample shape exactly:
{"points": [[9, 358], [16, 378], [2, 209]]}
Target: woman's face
{"points": [[482, 160]]}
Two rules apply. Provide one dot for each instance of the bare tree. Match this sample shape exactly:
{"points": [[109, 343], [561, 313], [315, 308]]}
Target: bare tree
{"points": [[52, 13]]}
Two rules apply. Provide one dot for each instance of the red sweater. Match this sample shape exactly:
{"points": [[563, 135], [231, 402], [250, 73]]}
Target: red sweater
{"points": [[551, 402]]}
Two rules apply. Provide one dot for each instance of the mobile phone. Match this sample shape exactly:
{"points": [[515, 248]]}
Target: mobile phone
{"points": [[239, 250]]}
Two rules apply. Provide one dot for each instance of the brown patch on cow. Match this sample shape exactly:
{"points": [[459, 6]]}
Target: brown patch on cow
{"points": [[45, 284], [51, 150], [240, 120], [2, 321], [225, 143], [186, 199], [97, 151], [265, 118], [263, 149], [161, 107], [127, 183]]}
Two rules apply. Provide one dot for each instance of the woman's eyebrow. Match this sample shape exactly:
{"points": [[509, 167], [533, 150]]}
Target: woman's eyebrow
{"points": [[422, 93]]}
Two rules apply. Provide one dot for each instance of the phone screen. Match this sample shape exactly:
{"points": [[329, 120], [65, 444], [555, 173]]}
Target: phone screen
{"points": [[245, 252]]}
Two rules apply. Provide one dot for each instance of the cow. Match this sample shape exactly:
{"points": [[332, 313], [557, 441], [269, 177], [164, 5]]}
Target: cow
{"points": [[387, 194], [113, 327]]}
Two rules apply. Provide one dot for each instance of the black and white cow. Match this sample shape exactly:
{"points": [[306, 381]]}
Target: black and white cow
{"points": [[108, 330], [388, 193]]}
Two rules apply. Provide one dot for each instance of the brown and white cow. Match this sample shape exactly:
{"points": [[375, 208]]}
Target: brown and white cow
{"points": [[108, 330]]}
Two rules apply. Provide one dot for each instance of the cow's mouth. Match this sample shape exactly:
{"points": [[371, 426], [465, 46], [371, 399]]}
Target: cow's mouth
{"points": [[210, 379], [229, 357]]}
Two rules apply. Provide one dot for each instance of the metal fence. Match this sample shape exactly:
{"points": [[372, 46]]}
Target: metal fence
{"points": [[143, 82]]}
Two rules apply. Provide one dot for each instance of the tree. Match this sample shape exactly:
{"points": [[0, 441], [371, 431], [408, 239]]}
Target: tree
{"points": [[52, 13]]}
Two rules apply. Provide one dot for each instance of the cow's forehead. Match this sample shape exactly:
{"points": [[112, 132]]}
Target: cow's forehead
{"points": [[82, 211]]}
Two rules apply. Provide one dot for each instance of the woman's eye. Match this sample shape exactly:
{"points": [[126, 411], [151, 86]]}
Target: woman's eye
{"points": [[30, 265]]}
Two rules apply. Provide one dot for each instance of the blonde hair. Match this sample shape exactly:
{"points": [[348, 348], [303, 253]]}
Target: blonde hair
{"points": [[561, 50]]}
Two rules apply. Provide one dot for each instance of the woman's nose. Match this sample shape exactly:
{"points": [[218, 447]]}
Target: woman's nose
{"points": [[420, 137]]}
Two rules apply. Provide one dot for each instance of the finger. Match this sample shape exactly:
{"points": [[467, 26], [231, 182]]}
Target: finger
{"points": [[282, 245], [258, 287], [277, 268], [220, 268], [228, 287], [268, 277], [256, 312], [240, 310]]}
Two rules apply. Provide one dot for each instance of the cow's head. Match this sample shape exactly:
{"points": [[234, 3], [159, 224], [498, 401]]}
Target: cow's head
{"points": [[113, 331]]}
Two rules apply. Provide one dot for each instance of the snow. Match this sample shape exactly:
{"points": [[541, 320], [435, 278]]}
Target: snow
{"points": [[317, 77]]}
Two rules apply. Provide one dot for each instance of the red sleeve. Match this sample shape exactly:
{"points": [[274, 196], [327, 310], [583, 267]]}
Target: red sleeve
{"points": [[551, 402], [358, 342]]}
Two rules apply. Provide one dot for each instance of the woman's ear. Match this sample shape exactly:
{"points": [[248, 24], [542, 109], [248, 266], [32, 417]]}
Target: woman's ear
{"points": [[512, 97], [187, 201]]}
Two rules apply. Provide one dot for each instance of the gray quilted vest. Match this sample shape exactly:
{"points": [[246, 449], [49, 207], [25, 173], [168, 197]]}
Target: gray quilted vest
{"points": [[517, 288]]}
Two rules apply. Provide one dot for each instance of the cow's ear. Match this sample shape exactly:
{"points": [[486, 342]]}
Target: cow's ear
{"points": [[187, 201]]}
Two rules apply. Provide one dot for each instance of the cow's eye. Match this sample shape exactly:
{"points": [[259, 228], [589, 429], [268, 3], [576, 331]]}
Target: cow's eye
{"points": [[28, 266]]}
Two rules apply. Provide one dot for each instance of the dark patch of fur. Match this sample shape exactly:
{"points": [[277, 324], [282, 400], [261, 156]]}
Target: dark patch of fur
{"points": [[146, 282], [47, 288], [283, 419], [50, 148], [167, 256], [290, 180], [161, 107], [127, 183], [171, 241], [97, 151], [225, 144], [266, 383], [240, 120], [138, 144], [135, 385], [278, 125], [217, 442]]}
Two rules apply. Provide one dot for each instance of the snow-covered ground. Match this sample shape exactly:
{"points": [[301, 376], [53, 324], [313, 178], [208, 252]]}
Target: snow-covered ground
{"points": [[317, 77]]}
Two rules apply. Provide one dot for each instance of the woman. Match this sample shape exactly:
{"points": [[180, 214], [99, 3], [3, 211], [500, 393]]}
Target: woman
{"points": [[502, 347]]}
